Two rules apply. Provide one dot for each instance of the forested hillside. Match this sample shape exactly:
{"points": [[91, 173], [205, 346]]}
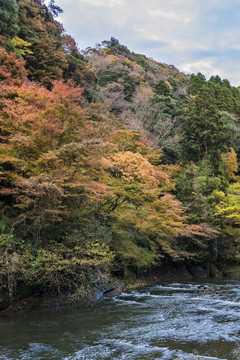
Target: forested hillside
{"points": [[110, 162]]}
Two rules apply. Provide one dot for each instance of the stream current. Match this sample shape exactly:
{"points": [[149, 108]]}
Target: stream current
{"points": [[178, 320]]}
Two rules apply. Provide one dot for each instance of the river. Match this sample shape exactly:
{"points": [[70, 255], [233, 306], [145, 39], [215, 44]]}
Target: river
{"points": [[178, 320]]}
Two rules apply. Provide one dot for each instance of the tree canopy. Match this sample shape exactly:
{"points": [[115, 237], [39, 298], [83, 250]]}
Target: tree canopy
{"points": [[110, 162]]}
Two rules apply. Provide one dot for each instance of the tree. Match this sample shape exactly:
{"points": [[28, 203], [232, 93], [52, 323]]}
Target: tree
{"points": [[162, 88], [47, 61], [228, 216], [21, 47], [12, 70], [204, 132], [8, 18], [54, 9], [196, 83], [229, 164], [78, 67], [32, 15], [148, 220]]}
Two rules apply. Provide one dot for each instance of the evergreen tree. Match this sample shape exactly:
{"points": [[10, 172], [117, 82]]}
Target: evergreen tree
{"points": [[8, 18], [196, 82], [162, 88], [204, 131], [47, 61]]}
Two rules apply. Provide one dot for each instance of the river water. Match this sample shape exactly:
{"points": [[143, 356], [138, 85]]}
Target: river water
{"points": [[181, 320]]}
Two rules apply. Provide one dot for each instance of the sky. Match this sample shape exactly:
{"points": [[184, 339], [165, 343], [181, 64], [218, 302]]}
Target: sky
{"points": [[194, 35]]}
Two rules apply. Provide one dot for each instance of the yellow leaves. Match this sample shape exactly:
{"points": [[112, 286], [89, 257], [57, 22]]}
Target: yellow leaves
{"points": [[180, 77], [154, 157], [216, 197], [120, 59], [228, 211], [98, 250], [141, 205], [168, 204], [162, 218], [233, 194], [230, 165], [66, 266], [113, 58], [231, 214], [47, 161], [22, 45], [135, 169], [137, 78]]}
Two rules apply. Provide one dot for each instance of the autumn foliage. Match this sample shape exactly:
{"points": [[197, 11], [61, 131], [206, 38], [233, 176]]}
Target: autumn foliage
{"points": [[99, 168], [65, 183]]}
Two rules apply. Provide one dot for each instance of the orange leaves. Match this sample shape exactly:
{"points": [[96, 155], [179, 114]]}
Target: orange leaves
{"points": [[135, 168], [12, 71], [68, 91], [39, 199], [94, 190], [63, 162], [34, 98], [142, 204], [163, 218], [41, 120], [203, 230], [38, 186], [132, 167], [35, 124]]}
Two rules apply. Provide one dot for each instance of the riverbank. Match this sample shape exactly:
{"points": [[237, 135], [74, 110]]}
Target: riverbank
{"points": [[108, 287], [95, 293]]}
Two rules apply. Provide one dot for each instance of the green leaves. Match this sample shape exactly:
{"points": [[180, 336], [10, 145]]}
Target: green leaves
{"points": [[8, 18], [204, 130]]}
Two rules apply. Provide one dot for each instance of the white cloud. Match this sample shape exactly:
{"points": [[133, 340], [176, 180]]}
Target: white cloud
{"points": [[187, 33], [102, 3], [230, 39], [212, 66], [205, 66]]}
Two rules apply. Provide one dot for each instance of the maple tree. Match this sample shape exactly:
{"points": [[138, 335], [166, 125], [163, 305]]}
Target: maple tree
{"points": [[12, 70]]}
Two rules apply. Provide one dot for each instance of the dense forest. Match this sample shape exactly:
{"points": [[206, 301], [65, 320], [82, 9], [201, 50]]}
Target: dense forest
{"points": [[110, 162]]}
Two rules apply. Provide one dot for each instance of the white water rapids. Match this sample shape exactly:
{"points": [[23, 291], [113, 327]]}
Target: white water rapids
{"points": [[166, 321]]}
